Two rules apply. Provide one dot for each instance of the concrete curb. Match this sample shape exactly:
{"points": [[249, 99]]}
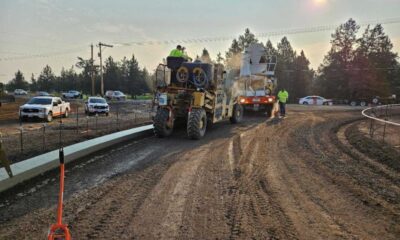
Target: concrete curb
{"points": [[40, 164]]}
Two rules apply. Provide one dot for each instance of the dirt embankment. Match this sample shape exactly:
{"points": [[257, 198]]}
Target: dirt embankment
{"points": [[300, 178]]}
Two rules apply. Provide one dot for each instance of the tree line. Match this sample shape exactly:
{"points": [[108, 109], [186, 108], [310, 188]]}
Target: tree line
{"points": [[124, 75], [359, 67]]}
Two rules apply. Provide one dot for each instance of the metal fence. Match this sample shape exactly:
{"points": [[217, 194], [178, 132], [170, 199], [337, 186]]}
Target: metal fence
{"points": [[384, 122], [30, 139]]}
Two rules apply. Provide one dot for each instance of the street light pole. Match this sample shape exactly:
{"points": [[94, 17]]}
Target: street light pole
{"points": [[101, 65]]}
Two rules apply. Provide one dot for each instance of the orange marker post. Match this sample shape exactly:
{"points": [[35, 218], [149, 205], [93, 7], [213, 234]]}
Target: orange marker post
{"points": [[60, 231]]}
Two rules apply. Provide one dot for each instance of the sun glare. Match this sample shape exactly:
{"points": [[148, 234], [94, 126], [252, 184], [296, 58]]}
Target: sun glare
{"points": [[320, 2]]}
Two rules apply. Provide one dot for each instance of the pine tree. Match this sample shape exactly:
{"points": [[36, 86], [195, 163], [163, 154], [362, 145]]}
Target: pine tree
{"points": [[245, 40], [33, 85], [302, 77], [383, 61], [334, 75], [285, 66], [18, 82], [46, 80], [233, 54], [112, 75], [270, 49]]}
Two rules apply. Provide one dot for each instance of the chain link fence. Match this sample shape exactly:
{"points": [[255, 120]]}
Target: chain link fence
{"points": [[384, 123], [33, 138]]}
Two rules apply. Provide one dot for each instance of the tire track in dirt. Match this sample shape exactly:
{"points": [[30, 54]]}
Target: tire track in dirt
{"points": [[380, 168], [344, 197], [253, 212]]}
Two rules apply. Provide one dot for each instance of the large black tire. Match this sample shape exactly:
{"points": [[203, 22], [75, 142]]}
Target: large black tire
{"points": [[237, 114], [161, 128], [197, 123]]}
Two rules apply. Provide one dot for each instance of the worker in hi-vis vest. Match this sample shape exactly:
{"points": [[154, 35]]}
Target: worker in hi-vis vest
{"points": [[283, 96], [177, 52]]}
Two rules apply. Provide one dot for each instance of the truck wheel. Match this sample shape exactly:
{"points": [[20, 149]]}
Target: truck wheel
{"points": [[363, 103], [353, 103], [49, 117], [197, 123], [161, 128], [237, 114], [66, 114]]}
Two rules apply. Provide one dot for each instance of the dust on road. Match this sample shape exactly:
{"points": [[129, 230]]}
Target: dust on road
{"points": [[293, 179]]}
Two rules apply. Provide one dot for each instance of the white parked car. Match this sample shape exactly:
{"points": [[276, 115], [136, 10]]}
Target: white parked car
{"points": [[44, 108], [97, 105], [20, 92], [315, 100], [116, 95]]}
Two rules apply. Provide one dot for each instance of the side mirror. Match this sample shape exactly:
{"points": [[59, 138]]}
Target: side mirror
{"points": [[55, 104]]}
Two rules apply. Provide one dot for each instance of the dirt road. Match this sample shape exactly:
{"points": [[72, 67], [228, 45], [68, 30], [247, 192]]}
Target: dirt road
{"points": [[299, 178]]}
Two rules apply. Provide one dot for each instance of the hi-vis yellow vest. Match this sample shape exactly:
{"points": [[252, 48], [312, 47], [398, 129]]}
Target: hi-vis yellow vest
{"points": [[176, 53], [283, 96]]}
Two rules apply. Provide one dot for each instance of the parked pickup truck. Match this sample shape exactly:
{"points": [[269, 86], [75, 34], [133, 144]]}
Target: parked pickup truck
{"points": [[44, 108], [96, 105]]}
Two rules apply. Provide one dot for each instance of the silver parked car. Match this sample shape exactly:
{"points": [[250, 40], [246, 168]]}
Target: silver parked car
{"points": [[115, 95]]}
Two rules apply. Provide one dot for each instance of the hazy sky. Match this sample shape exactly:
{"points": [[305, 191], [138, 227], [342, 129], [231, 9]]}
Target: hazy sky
{"points": [[61, 30]]}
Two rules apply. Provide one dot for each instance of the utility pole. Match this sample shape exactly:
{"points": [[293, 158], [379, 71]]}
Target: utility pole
{"points": [[101, 65], [92, 70]]}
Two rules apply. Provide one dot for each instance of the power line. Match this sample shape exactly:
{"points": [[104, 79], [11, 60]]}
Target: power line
{"points": [[291, 31], [43, 55]]}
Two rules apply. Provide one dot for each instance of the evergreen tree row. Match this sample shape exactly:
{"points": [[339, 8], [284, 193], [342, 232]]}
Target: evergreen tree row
{"points": [[359, 67], [124, 75]]}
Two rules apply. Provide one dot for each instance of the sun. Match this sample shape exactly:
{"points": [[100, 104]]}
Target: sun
{"points": [[320, 2]]}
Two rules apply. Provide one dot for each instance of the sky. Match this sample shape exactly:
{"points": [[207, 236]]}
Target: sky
{"points": [[34, 33]]}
